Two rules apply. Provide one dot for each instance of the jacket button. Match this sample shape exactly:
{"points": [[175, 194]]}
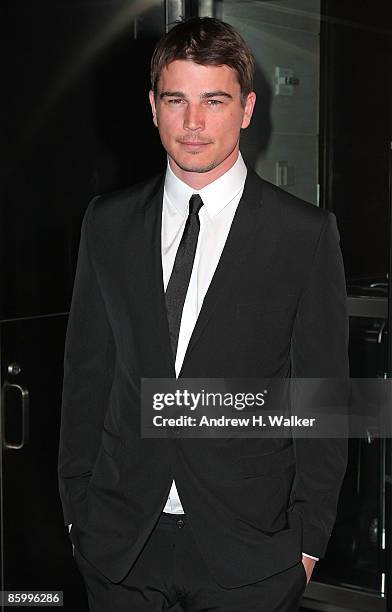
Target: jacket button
{"points": [[180, 523]]}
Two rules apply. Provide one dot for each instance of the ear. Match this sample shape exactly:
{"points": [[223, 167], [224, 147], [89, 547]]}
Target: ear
{"points": [[248, 109], [153, 107]]}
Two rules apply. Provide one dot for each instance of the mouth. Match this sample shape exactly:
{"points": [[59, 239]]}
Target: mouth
{"points": [[192, 145]]}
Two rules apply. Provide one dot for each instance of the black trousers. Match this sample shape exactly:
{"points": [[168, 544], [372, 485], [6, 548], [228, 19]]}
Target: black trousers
{"points": [[170, 574]]}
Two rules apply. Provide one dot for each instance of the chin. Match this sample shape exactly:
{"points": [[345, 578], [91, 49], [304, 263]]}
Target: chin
{"points": [[195, 168], [196, 165]]}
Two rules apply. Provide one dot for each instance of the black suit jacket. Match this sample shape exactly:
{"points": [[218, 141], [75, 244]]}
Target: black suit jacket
{"points": [[276, 307]]}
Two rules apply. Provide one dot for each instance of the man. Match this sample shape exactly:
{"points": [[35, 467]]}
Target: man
{"points": [[207, 271]]}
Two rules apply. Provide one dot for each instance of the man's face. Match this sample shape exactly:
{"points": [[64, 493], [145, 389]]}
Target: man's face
{"points": [[199, 115]]}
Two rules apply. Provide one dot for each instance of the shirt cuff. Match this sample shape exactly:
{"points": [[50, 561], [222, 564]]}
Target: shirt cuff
{"points": [[69, 527], [311, 557]]}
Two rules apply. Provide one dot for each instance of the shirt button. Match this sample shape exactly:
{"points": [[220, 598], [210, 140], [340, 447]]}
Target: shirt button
{"points": [[180, 523]]}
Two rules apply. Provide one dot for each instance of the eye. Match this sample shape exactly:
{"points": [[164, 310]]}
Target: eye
{"points": [[175, 101], [213, 102]]}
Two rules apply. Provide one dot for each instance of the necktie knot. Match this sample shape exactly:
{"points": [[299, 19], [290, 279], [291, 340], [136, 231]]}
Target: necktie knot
{"points": [[195, 204]]}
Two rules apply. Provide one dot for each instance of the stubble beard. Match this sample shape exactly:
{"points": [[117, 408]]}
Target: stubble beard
{"points": [[197, 168]]}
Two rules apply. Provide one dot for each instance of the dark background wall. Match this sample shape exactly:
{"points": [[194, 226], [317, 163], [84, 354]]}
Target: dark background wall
{"points": [[77, 124]]}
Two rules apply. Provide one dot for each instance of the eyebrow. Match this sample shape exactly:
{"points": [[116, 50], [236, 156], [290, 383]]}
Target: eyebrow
{"points": [[205, 95]]}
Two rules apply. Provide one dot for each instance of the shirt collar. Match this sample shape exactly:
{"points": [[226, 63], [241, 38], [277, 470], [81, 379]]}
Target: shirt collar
{"points": [[215, 196]]}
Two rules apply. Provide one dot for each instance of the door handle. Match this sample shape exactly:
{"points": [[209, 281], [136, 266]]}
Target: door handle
{"points": [[25, 407]]}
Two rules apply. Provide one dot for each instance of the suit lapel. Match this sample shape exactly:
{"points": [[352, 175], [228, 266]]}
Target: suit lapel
{"points": [[153, 231], [244, 228]]}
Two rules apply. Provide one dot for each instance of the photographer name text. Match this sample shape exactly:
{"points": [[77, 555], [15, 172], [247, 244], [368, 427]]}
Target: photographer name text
{"points": [[222, 421]]}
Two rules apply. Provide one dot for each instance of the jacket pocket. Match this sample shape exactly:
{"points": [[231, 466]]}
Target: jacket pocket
{"points": [[262, 307], [268, 464]]}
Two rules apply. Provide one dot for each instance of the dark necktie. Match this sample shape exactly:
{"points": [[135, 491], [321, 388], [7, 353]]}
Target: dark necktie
{"points": [[177, 287]]}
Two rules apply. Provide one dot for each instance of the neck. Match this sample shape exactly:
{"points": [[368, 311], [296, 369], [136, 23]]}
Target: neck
{"points": [[198, 180]]}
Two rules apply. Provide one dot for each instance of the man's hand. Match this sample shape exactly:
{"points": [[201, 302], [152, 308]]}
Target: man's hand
{"points": [[308, 564]]}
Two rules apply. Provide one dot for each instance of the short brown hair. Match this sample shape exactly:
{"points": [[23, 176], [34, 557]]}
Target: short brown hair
{"points": [[206, 41]]}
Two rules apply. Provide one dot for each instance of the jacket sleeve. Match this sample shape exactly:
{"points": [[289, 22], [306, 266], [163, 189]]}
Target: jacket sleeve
{"points": [[320, 350], [88, 375]]}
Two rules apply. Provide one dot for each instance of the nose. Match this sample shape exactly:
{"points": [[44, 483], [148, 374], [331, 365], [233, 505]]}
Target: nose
{"points": [[193, 118]]}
